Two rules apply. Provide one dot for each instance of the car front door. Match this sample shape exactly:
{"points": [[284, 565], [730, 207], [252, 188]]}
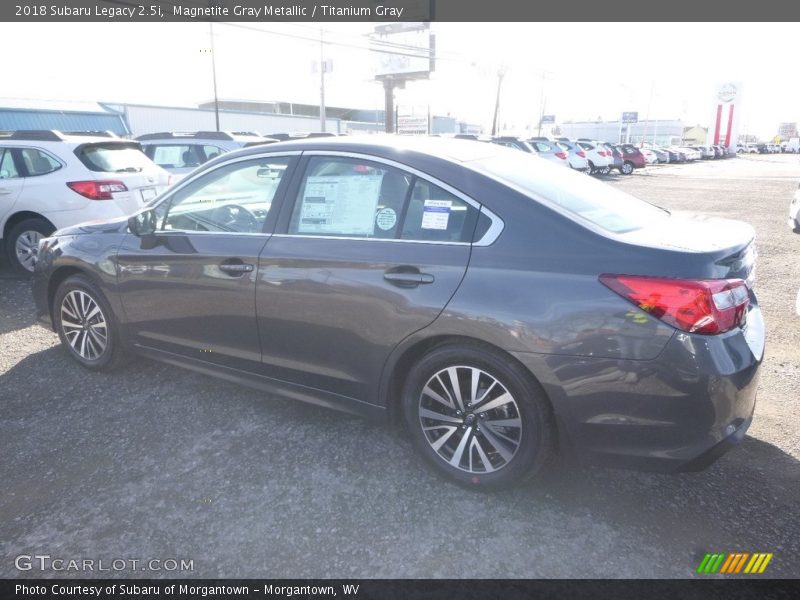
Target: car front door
{"points": [[189, 289], [367, 253]]}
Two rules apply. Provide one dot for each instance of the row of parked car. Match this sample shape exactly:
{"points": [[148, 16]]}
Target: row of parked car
{"points": [[591, 156], [683, 154], [764, 148]]}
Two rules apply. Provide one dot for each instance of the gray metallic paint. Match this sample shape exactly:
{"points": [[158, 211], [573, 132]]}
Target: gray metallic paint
{"points": [[330, 330]]}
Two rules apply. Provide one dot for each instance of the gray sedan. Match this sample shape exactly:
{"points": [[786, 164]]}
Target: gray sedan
{"points": [[501, 309]]}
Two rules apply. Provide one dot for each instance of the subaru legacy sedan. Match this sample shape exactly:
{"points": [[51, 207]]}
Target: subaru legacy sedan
{"points": [[504, 310]]}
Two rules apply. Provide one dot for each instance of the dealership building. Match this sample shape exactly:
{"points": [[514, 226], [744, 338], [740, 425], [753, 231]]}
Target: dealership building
{"points": [[661, 132], [132, 120]]}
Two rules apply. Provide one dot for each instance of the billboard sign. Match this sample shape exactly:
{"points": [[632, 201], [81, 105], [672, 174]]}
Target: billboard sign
{"points": [[404, 50], [630, 117], [412, 124]]}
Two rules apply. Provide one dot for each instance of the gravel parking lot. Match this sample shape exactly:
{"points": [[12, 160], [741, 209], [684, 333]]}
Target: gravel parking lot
{"points": [[160, 463]]}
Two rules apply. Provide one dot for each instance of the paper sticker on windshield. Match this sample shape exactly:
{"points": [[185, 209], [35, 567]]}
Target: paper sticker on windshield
{"points": [[436, 214], [386, 219]]}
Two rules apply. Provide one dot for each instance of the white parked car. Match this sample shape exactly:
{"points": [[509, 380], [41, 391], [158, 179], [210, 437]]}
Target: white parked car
{"points": [[576, 156], [600, 159], [691, 153], [649, 156], [50, 180], [706, 152], [794, 212]]}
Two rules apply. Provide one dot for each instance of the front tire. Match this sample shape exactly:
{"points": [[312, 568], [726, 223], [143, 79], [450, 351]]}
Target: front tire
{"points": [[22, 244], [86, 325], [478, 418]]}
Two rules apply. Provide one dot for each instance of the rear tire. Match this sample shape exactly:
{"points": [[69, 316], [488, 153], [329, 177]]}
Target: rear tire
{"points": [[478, 418], [87, 326], [22, 244], [626, 168]]}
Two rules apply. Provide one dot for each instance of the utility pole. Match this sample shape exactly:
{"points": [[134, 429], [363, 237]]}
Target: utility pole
{"points": [[501, 73], [541, 105], [214, 75], [388, 104], [322, 69]]}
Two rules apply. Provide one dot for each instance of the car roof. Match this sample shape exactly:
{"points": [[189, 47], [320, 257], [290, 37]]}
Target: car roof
{"points": [[29, 137], [387, 146]]}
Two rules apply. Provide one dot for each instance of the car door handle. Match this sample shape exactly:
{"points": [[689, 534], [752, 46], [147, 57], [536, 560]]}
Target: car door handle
{"points": [[407, 278], [236, 268]]}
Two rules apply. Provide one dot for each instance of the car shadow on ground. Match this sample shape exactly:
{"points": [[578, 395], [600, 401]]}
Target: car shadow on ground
{"points": [[87, 454], [13, 316]]}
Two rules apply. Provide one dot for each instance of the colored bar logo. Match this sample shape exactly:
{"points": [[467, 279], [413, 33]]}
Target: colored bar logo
{"points": [[735, 563]]}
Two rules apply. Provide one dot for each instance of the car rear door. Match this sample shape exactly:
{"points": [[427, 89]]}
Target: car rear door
{"points": [[189, 289], [11, 183], [366, 253]]}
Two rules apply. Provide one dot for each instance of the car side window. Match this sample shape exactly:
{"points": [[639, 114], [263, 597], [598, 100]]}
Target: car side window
{"points": [[38, 162], [8, 170], [176, 156], [351, 198], [235, 198], [436, 215], [212, 152]]}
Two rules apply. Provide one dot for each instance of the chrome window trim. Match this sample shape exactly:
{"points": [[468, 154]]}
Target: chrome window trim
{"points": [[365, 239], [491, 235]]}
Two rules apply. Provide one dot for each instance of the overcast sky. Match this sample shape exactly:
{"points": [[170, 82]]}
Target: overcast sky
{"points": [[661, 70]]}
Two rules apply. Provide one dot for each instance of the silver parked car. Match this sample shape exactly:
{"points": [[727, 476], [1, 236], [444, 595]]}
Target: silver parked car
{"points": [[181, 153]]}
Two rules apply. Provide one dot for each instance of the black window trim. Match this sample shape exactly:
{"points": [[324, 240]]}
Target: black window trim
{"points": [[22, 168]]}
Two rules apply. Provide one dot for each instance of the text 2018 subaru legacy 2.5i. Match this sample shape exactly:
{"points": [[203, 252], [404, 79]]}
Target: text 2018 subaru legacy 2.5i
{"points": [[503, 309]]}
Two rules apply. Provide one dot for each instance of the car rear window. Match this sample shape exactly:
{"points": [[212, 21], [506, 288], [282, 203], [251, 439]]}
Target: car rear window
{"points": [[113, 158], [584, 197]]}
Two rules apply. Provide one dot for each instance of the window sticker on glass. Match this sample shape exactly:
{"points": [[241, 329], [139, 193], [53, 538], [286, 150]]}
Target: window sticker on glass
{"points": [[386, 219], [436, 214], [344, 204]]}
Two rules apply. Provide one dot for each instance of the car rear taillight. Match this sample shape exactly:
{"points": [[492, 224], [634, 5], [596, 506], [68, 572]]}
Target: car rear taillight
{"points": [[97, 190], [601, 152], [562, 155], [581, 153], [707, 306]]}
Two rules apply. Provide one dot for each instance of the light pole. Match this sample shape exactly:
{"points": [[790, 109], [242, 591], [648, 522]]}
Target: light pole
{"points": [[214, 75], [322, 69], [501, 73]]}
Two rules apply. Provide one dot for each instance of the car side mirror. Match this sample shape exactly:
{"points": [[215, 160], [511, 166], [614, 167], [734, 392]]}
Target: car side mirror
{"points": [[143, 223]]}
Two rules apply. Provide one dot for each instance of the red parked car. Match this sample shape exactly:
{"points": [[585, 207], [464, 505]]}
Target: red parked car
{"points": [[631, 159]]}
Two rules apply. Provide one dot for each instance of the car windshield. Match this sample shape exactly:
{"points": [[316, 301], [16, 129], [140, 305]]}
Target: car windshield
{"points": [[114, 158], [584, 197]]}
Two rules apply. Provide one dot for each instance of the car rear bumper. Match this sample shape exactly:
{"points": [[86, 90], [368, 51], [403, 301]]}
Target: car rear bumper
{"points": [[680, 411]]}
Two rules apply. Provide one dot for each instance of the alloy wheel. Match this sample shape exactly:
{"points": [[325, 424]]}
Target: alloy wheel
{"points": [[27, 248], [470, 419], [84, 325]]}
